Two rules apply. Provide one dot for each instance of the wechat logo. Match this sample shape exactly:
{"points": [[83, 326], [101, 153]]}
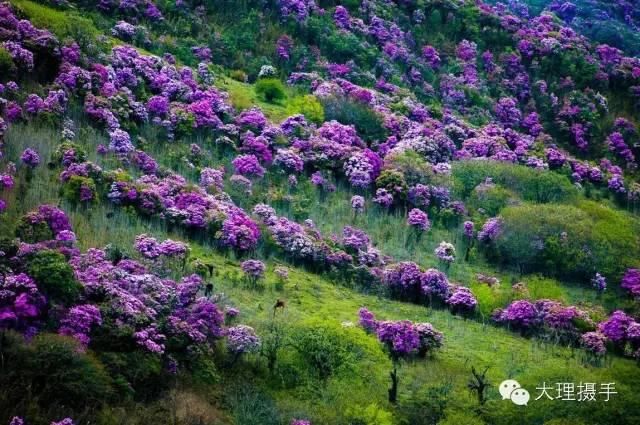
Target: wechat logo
{"points": [[511, 390]]}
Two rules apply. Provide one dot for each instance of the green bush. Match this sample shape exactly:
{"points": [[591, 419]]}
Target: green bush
{"points": [[7, 67], [566, 240], [239, 75], [412, 165], [136, 375], [368, 123], [531, 184], [33, 233], [54, 371], [323, 348], [392, 180], [271, 89], [369, 415], [307, 105], [54, 276], [491, 198], [72, 189], [326, 348]]}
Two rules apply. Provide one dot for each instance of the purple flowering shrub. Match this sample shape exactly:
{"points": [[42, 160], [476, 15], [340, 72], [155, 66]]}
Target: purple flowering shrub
{"points": [[402, 340]]}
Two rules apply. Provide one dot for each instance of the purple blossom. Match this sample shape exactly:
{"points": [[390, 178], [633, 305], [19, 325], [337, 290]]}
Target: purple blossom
{"points": [[342, 18], [430, 54], [30, 158], [599, 282], [212, 178], [445, 252], [490, 230], [357, 204], [434, 283], [383, 198], [462, 299], [367, 320], [120, 143], [594, 342], [284, 46], [242, 339], [469, 227], [615, 327], [507, 112], [418, 219], [631, 282], [520, 314], [248, 165], [79, 321], [240, 232]]}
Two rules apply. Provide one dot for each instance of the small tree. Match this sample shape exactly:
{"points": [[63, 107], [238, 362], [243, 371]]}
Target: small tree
{"points": [[479, 384], [402, 340]]}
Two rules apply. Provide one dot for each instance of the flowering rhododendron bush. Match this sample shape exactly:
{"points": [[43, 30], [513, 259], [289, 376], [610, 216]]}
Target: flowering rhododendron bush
{"points": [[196, 197]]}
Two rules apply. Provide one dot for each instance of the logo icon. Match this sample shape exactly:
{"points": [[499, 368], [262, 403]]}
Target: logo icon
{"points": [[511, 390]]}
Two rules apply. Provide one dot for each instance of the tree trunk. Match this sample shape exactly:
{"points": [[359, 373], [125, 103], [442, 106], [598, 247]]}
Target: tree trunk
{"points": [[393, 391]]}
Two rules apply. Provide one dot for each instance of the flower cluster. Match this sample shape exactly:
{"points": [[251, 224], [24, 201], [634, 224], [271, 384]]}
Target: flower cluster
{"points": [[445, 252], [242, 339], [418, 219], [402, 338]]}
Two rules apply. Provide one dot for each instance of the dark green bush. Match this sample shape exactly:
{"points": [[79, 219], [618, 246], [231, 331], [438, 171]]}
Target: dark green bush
{"points": [[33, 233], [54, 276], [7, 67], [531, 184], [136, 375], [53, 371], [271, 89]]}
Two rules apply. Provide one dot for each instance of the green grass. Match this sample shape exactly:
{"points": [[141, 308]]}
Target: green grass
{"points": [[64, 25], [243, 96]]}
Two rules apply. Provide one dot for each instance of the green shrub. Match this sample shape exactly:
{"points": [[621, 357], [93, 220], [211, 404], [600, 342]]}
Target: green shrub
{"points": [[136, 375], [412, 165], [250, 406], [391, 180], [307, 105], [54, 371], [369, 415], [531, 184], [491, 198], [240, 100], [490, 298], [425, 406], [368, 123], [271, 89], [54, 276], [7, 67], [33, 233], [325, 347], [73, 188], [239, 75], [567, 240], [541, 288]]}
